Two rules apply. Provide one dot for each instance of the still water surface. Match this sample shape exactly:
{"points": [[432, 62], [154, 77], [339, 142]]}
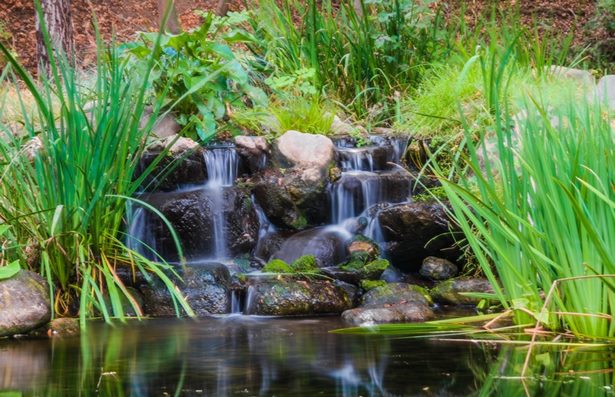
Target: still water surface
{"points": [[248, 356]]}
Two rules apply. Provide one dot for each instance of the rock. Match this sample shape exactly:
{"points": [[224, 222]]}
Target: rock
{"points": [[63, 327], [182, 165], [193, 215], [253, 151], [343, 128], [164, 127], [435, 268], [292, 296], [206, 287], [414, 231], [578, 75], [295, 199], [605, 90], [392, 303], [449, 291], [326, 244], [296, 149], [24, 303], [368, 271], [364, 245]]}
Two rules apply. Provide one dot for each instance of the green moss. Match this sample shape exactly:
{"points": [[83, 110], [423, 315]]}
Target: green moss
{"points": [[277, 266], [300, 223], [371, 284], [357, 261], [431, 194], [305, 264], [376, 265]]}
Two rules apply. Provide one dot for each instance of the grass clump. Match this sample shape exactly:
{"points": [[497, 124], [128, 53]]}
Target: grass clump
{"points": [[538, 215], [67, 201]]}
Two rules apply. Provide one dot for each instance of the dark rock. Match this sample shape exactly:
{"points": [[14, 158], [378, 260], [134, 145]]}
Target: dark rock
{"points": [[182, 165], [391, 303], [435, 268], [367, 188], [192, 214], [24, 303], [294, 199], [449, 291], [253, 152], [292, 296], [205, 286], [326, 244], [361, 244], [414, 231], [270, 243]]}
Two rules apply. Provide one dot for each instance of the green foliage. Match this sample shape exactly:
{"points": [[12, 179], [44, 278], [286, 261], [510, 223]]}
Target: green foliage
{"points": [[5, 36], [303, 264], [357, 261], [361, 57], [70, 197], [277, 266], [376, 265], [371, 284], [306, 115], [7, 270], [200, 73], [539, 214]]}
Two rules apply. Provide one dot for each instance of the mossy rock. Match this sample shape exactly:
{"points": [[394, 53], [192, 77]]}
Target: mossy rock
{"points": [[24, 303], [452, 291], [277, 266]]}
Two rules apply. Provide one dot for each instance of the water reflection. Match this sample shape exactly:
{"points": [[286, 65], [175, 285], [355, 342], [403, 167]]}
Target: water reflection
{"points": [[237, 355]]}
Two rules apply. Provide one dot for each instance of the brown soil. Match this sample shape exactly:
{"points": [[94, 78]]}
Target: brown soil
{"points": [[119, 18], [123, 18]]}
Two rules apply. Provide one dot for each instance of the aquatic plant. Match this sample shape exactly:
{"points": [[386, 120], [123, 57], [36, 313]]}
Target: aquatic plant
{"points": [[65, 185]]}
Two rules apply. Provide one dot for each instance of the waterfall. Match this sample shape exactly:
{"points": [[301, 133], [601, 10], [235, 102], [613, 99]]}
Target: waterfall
{"points": [[222, 163], [140, 237]]}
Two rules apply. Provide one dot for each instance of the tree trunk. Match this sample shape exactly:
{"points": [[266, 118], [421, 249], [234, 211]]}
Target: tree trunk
{"points": [[59, 24], [172, 24], [222, 8]]}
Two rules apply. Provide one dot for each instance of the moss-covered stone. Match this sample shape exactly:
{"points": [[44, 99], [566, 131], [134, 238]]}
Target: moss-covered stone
{"points": [[24, 303], [305, 264], [368, 285], [452, 291], [277, 266]]}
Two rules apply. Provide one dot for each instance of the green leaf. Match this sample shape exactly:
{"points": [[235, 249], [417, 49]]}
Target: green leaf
{"points": [[9, 270]]}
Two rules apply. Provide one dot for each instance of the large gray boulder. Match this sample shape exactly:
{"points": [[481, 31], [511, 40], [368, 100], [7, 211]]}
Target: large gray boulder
{"points": [[206, 287], [392, 303], [24, 303], [297, 149], [253, 151], [293, 296], [414, 231], [194, 215]]}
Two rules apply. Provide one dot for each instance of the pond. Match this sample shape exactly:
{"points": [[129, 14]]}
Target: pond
{"points": [[255, 356]]}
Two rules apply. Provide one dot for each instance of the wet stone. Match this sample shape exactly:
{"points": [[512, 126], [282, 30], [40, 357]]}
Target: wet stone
{"points": [[434, 268]]}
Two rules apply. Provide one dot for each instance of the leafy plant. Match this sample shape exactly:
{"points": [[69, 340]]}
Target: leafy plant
{"points": [[7, 270], [68, 194], [362, 57], [185, 61]]}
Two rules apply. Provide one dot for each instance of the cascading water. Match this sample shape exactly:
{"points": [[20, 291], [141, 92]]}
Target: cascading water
{"points": [[222, 163], [140, 237]]}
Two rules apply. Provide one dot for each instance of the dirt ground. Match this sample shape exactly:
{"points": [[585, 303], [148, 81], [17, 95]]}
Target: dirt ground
{"points": [[123, 18]]}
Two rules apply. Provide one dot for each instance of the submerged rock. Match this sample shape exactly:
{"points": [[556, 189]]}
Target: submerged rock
{"points": [[392, 303], [206, 287], [292, 296], [182, 165], [326, 244], [24, 303], [414, 231], [435, 268], [193, 215], [294, 199], [450, 291]]}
